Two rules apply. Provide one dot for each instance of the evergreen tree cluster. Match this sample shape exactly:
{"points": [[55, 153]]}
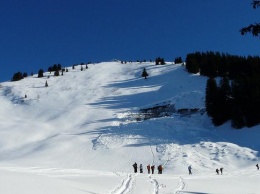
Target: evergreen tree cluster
{"points": [[159, 61], [56, 68], [178, 60], [18, 76], [213, 64], [237, 95]]}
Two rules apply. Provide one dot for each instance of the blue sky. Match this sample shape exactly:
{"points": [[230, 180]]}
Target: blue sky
{"points": [[36, 34]]}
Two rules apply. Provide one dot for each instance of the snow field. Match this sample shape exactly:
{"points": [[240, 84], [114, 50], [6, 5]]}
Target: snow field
{"points": [[75, 136]]}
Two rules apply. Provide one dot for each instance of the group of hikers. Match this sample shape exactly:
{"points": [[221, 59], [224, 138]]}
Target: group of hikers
{"points": [[219, 170], [160, 169], [150, 168]]}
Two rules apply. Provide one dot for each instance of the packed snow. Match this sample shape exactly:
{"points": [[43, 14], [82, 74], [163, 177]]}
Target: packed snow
{"points": [[83, 133]]}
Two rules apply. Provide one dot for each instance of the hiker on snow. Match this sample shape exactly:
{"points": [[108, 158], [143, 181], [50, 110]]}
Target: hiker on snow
{"points": [[189, 168], [135, 167], [148, 168], [257, 166], [217, 171], [152, 168], [160, 168], [221, 170], [141, 168]]}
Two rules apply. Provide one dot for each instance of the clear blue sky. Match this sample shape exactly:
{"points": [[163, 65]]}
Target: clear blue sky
{"points": [[36, 34]]}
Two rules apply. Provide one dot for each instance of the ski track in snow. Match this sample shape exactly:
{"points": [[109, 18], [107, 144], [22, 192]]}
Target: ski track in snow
{"points": [[182, 186], [155, 185], [126, 186], [152, 154]]}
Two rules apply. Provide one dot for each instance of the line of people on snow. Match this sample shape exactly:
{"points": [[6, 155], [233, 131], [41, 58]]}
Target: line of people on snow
{"points": [[217, 170], [150, 168], [160, 169]]}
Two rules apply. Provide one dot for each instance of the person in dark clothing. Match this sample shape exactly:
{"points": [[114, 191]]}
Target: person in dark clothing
{"points": [[217, 171], [141, 168], [221, 170], [160, 169], [148, 168], [189, 168], [152, 168], [257, 166], [135, 167]]}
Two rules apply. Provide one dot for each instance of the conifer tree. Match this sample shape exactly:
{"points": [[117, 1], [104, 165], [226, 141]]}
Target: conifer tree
{"points": [[17, 76], [57, 72], [40, 73], [145, 74], [211, 98], [224, 100], [50, 69], [59, 67], [237, 114], [54, 67], [178, 60], [254, 29]]}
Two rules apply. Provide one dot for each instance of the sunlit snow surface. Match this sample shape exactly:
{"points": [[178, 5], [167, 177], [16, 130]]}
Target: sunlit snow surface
{"points": [[76, 136]]}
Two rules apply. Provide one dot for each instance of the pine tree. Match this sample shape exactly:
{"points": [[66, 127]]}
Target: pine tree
{"points": [[178, 60], [50, 69], [144, 74], [237, 114], [224, 100], [40, 73], [57, 72], [254, 29], [17, 76], [59, 67], [211, 98], [192, 64], [54, 67]]}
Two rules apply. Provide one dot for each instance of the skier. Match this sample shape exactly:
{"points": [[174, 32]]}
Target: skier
{"points": [[141, 168], [189, 168], [257, 166], [152, 168], [217, 171], [148, 168], [135, 167], [221, 170]]}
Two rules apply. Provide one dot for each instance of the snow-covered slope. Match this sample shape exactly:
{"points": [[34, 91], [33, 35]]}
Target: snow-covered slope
{"points": [[83, 132]]}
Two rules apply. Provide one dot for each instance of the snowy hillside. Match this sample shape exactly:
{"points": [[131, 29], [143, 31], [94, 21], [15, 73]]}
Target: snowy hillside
{"points": [[83, 132]]}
